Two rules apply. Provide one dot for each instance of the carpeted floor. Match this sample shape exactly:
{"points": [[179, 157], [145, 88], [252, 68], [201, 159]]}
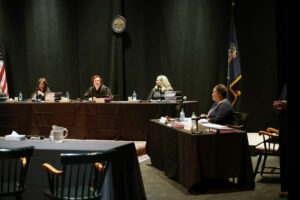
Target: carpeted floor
{"points": [[159, 187]]}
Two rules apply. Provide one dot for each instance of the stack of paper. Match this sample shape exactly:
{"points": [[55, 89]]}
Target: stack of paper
{"points": [[15, 136], [217, 128]]}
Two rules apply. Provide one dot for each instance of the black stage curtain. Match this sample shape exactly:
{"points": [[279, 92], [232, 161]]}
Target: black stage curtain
{"points": [[68, 41]]}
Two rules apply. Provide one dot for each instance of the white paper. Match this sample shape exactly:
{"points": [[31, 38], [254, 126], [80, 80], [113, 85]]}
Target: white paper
{"points": [[14, 136], [215, 126], [187, 126], [203, 121], [163, 120]]}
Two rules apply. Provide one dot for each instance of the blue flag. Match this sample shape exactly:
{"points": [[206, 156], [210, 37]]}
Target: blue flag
{"points": [[234, 74]]}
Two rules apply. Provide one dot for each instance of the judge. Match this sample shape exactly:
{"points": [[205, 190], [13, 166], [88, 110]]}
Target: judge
{"points": [[221, 111], [98, 90], [162, 85], [41, 90]]}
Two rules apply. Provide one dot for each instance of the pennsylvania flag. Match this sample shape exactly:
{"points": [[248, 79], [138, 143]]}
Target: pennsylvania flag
{"points": [[234, 68]]}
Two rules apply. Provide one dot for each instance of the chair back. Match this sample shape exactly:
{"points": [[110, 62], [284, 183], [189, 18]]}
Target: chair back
{"points": [[81, 177], [271, 145], [241, 118], [14, 164]]}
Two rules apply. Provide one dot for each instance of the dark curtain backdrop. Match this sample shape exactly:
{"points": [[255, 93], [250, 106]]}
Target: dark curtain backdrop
{"points": [[68, 41]]}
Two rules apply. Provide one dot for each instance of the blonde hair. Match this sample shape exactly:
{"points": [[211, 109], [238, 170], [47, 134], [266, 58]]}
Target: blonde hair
{"points": [[166, 85]]}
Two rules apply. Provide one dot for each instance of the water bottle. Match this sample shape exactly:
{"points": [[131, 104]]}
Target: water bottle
{"points": [[51, 137], [20, 96], [193, 121], [182, 115], [134, 96], [67, 95]]}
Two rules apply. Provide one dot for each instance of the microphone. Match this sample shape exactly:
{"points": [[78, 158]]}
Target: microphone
{"points": [[197, 130], [199, 117], [159, 88], [93, 94], [37, 94], [160, 92], [184, 98]]}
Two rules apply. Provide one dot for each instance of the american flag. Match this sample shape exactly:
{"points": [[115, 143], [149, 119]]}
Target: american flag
{"points": [[3, 82]]}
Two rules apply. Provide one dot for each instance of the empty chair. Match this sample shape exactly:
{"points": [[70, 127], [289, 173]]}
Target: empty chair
{"points": [[241, 119], [82, 175], [14, 163], [269, 147]]}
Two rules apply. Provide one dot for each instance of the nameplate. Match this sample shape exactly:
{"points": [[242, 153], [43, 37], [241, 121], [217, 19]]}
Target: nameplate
{"points": [[188, 126], [63, 100], [163, 120], [35, 137], [134, 101], [99, 100]]}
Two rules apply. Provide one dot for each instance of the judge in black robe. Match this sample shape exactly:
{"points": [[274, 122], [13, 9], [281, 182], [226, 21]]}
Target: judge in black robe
{"points": [[98, 90]]}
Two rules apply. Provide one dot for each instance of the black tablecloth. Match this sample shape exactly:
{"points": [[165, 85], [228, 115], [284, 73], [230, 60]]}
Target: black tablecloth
{"points": [[123, 180], [116, 120], [191, 159]]}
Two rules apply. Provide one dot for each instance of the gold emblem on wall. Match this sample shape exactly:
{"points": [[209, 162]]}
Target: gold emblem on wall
{"points": [[119, 24]]}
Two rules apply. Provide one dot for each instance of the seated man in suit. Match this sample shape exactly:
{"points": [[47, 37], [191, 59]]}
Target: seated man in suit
{"points": [[221, 111], [98, 90]]}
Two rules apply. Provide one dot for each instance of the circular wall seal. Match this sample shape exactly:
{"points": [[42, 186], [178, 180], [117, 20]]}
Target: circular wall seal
{"points": [[118, 24]]}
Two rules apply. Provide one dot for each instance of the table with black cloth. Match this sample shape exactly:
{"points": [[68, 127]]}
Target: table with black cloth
{"points": [[115, 120], [191, 159], [123, 179]]}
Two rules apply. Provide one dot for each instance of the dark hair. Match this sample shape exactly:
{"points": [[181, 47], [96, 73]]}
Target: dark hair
{"points": [[221, 89], [96, 76], [44, 81]]}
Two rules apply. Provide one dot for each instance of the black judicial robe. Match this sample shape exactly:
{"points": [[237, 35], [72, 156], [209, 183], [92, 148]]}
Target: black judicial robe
{"points": [[102, 92]]}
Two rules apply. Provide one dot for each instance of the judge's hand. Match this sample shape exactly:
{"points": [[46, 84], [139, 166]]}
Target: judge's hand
{"points": [[280, 105], [40, 93], [203, 116]]}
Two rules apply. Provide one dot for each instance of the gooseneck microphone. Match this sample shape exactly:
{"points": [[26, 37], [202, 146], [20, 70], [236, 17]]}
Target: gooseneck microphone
{"points": [[184, 98], [93, 94], [160, 92]]}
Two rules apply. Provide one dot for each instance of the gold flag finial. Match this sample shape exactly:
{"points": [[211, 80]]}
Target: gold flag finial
{"points": [[233, 3]]}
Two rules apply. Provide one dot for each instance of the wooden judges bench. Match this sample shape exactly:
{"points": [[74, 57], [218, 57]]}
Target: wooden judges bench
{"points": [[114, 120]]}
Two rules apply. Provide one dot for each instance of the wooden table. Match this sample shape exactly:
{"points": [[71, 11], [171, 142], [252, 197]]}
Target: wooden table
{"points": [[123, 179], [191, 159]]}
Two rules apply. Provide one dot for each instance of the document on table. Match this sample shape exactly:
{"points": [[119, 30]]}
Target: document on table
{"points": [[215, 126]]}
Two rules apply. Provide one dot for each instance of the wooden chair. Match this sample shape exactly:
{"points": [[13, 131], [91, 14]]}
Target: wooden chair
{"points": [[14, 164], [269, 147], [82, 176]]}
